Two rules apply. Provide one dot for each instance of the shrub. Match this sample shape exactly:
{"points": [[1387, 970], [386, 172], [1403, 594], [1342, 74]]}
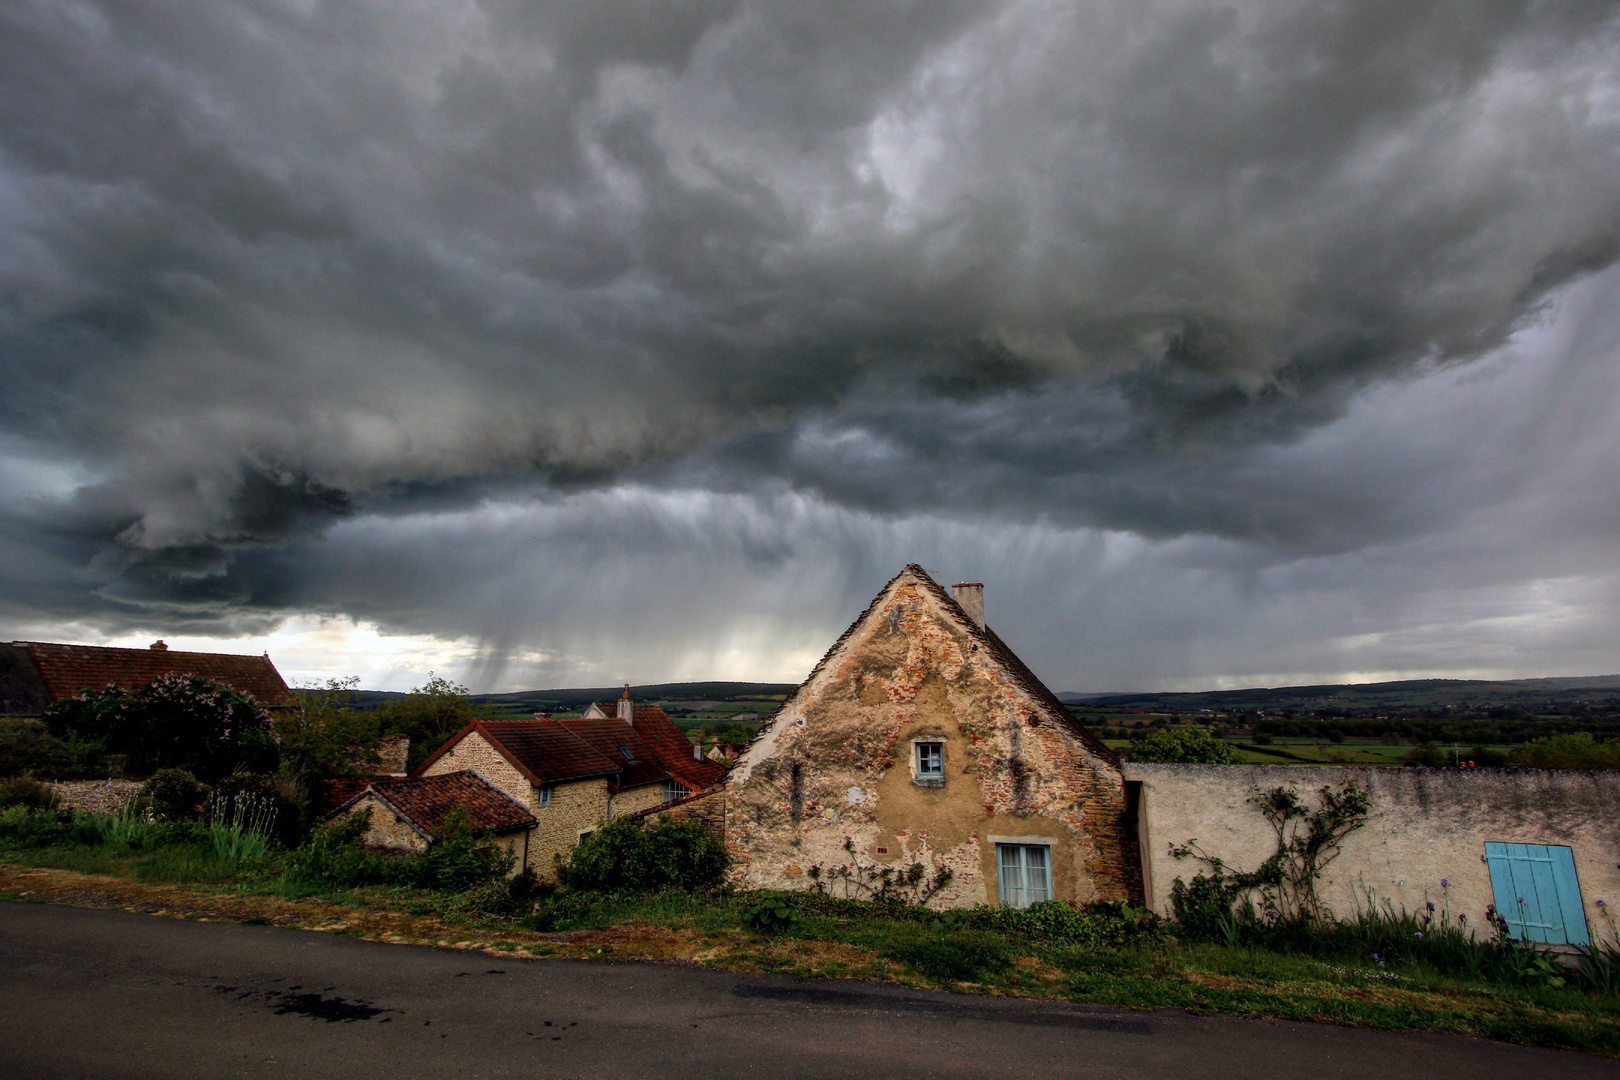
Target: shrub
{"points": [[173, 795], [334, 856], [770, 916], [1193, 745], [25, 746], [1577, 751], [175, 721], [624, 855], [464, 855], [27, 792]]}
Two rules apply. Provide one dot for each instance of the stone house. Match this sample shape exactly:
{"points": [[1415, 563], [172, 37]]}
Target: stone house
{"points": [[921, 739], [573, 776], [411, 814]]}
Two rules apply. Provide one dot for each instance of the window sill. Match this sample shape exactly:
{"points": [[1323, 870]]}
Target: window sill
{"points": [[929, 781]]}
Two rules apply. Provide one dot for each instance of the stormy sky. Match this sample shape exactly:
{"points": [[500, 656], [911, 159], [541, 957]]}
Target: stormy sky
{"points": [[562, 343]]}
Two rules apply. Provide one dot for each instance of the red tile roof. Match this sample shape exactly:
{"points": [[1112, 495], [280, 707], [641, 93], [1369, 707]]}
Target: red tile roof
{"points": [[542, 750], [426, 802], [611, 738], [673, 748], [67, 669]]}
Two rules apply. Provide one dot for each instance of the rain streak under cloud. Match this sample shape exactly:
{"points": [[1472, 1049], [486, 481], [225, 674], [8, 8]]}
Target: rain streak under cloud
{"points": [[578, 342]]}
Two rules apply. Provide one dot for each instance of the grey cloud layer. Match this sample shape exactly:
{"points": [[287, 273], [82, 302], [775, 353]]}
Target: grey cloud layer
{"points": [[270, 265]]}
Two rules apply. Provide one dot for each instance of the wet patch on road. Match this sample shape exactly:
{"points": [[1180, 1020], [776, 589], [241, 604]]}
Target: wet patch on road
{"points": [[295, 1001]]}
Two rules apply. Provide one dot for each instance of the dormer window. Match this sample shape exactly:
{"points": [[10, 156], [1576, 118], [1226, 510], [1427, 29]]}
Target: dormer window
{"points": [[628, 756]]}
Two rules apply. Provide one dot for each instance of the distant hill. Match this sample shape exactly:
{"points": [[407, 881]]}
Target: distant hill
{"points": [[567, 700], [1408, 693]]}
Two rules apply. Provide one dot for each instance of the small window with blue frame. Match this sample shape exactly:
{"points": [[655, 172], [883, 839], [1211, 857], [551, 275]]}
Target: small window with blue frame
{"points": [[930, 762]]}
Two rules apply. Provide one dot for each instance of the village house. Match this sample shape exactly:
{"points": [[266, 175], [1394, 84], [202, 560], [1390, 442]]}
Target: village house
{"points": [[36, 674], [573, 776], [410, 815], [920, 739]]}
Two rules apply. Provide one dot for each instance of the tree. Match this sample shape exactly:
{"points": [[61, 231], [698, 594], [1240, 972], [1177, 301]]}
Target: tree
{"points": [[430, 714], [1578, 751], [1183, 746], [174, 722], [324, 735]]}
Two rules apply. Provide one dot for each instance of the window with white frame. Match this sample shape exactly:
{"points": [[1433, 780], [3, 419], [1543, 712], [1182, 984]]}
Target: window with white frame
{"points": [[673, 790], [1024, 872], [542, 796], [930, 761]]}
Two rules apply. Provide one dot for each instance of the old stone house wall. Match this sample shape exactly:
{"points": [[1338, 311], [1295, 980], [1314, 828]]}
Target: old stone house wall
{"points": [[637, 799], [829, 785], [386, 829], [473, 753], [1425, 826]]}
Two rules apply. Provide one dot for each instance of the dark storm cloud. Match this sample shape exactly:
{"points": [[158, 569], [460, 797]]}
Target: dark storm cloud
{"points": [[267, 266]]}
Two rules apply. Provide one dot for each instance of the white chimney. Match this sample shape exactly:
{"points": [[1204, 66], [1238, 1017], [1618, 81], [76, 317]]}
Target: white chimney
{"points": [[970, 595], [627, 710]]}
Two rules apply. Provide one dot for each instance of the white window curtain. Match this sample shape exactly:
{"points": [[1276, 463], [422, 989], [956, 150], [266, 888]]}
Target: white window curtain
{"points": [[1025, 874]]}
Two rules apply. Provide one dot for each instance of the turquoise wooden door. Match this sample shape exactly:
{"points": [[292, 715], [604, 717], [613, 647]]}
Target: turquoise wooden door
{"points": [[1537, 892]]}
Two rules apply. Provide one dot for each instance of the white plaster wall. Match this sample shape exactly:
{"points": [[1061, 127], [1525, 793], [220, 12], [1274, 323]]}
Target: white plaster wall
{"points": [[1425, 825]]}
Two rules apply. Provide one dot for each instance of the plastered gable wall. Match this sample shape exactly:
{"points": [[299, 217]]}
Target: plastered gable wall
{"points": [[836, 766], [1424, 826]]}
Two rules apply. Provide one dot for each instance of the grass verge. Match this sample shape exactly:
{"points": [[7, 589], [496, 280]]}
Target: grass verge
{"points": [[830, 941]]}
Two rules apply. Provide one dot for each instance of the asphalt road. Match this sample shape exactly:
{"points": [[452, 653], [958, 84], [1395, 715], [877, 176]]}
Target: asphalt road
{"points": [[93, 994]]}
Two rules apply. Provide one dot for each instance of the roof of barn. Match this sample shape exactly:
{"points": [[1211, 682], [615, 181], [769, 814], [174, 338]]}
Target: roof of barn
{"points": [[64, 670]]}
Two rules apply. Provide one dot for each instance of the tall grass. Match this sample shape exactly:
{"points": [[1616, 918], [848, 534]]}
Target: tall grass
{"points": [[240, 826]]}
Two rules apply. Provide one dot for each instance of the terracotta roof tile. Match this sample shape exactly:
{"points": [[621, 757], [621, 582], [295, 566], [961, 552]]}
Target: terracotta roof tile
{"points": [[675, 749], [543, 750], [68, 669], [611, 738], [426, 802]]}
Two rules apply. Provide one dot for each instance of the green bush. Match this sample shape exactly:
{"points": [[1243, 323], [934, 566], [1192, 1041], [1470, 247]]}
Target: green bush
{"points": [[27, 792], [334, 856], [173, 795], [625, 855], [26, 746], [464, 855], [1578, 751], [175, 721], [1193, 745], [771, 916]]}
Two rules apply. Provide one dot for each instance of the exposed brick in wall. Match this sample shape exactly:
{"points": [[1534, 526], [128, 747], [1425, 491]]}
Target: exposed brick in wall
{"points": [[835, 766], [707, 809]]}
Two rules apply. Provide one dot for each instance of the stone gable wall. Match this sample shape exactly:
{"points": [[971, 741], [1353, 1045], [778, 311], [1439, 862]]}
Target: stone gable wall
{"points": [[385, 830], [474, 754], [829, 787]]}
